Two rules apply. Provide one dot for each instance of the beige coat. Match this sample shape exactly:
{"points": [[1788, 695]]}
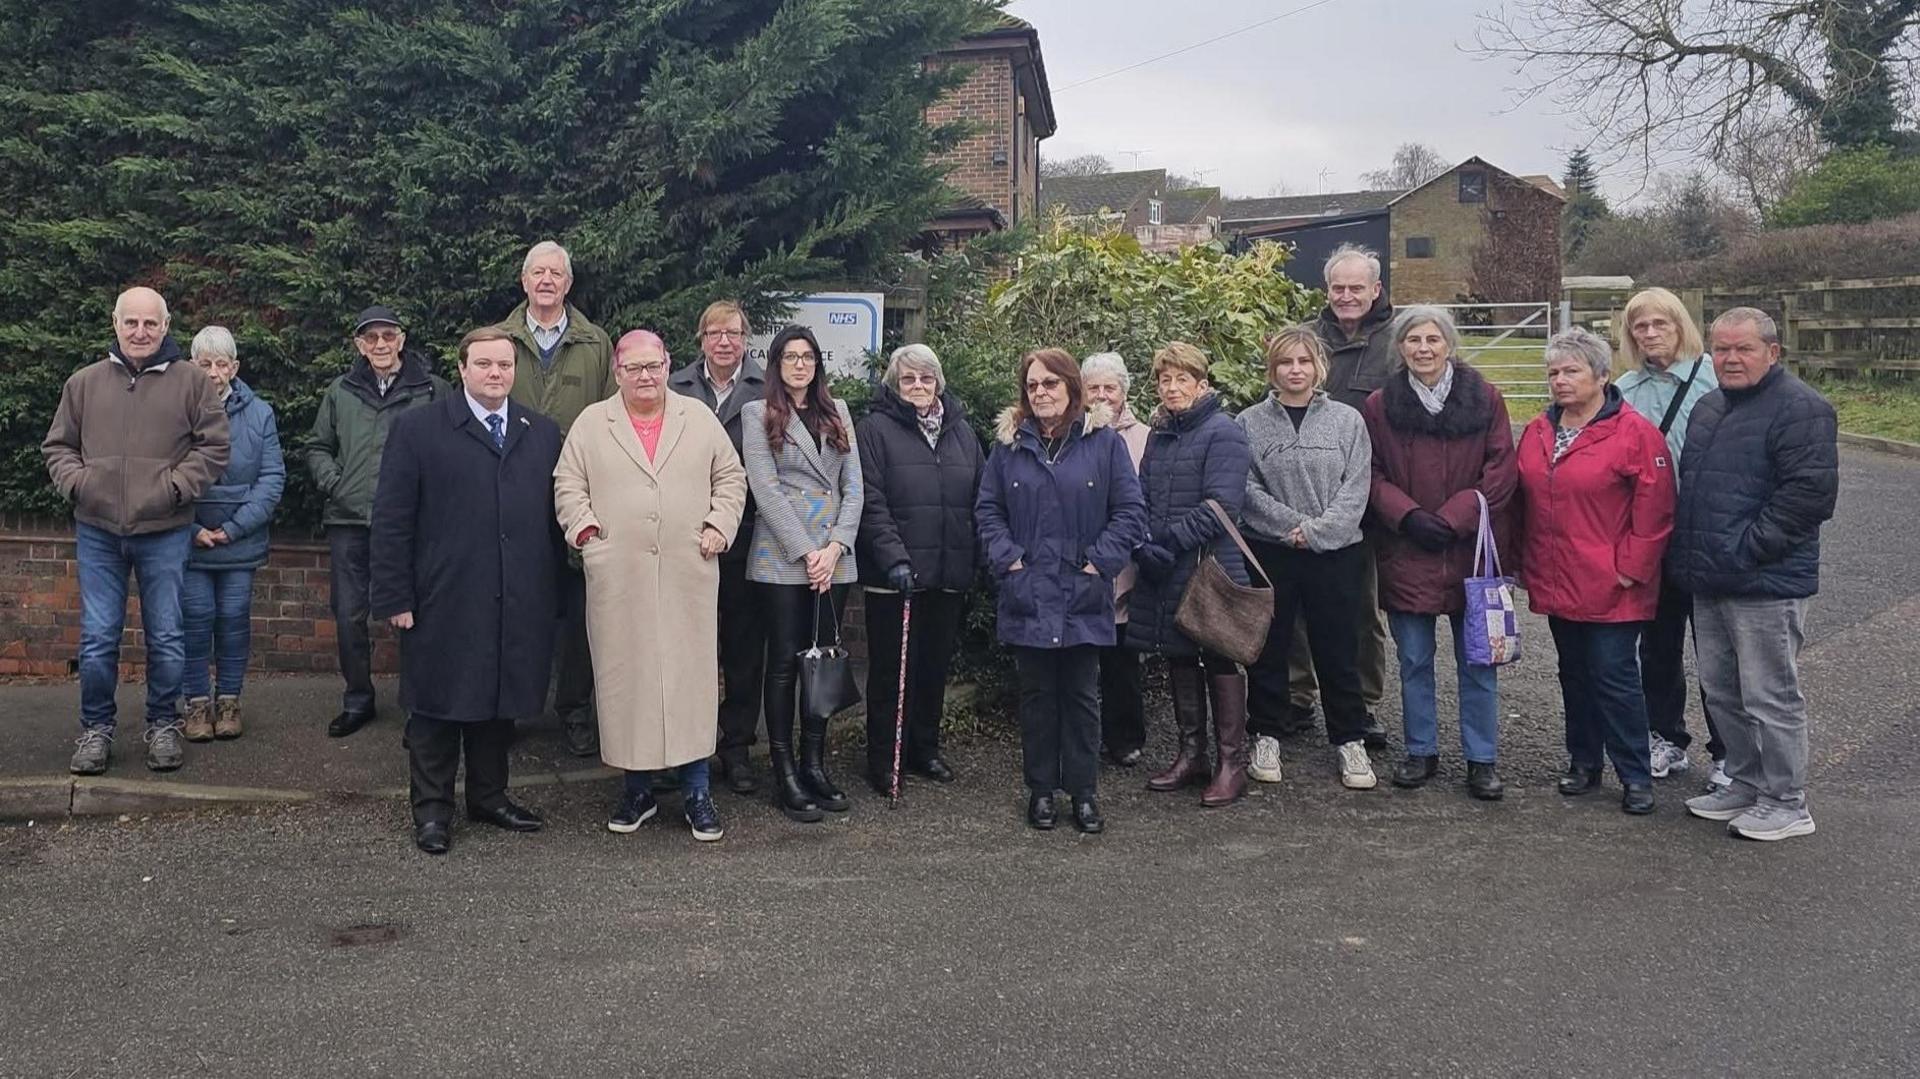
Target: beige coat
{"points": [[652, 600]]}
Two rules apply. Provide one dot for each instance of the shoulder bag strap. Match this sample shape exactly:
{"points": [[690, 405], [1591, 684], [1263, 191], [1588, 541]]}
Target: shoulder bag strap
{"points": [[1226, 522], [1679, 398], [1486, 552], [826, 596]]}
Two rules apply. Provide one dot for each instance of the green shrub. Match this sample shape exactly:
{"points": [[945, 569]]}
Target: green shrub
{"points": [[1851, 187]]}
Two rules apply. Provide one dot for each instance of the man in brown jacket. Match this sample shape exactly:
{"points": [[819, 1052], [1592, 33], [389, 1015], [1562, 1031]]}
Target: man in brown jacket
{"points": [[137, 437]]}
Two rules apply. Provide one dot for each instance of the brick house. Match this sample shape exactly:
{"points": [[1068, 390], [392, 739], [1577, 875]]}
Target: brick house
{"points": [[995, 170], [1128, 200], [1438, 227]]}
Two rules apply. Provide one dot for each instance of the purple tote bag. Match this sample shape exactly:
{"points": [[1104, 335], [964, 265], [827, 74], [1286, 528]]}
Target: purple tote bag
{"points": [[1491, 627]]}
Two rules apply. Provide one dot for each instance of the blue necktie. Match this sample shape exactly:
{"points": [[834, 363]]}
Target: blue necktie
{"points": [[498, 424]]}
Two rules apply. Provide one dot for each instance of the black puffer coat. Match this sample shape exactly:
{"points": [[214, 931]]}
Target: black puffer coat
{"points": [[1191, 456], [919, 497], [1760, 473]]}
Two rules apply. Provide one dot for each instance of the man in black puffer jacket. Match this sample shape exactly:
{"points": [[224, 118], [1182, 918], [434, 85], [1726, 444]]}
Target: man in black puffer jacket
{"points": [[1759, 476]]}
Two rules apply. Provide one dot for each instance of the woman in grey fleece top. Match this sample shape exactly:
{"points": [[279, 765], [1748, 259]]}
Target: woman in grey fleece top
{"points": [[1312, 468]]}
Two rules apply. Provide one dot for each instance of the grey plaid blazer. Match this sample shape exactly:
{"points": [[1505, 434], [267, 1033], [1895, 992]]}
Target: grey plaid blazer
{"points": [[804, 497]]}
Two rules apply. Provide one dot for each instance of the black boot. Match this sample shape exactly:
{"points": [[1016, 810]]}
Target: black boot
{"points": [[1483, 782], [1579, 779], [788, 794], [813, 767], [1415, 771]]}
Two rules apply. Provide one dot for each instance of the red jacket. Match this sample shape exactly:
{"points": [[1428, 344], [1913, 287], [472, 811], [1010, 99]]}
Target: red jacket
{"points": [[1422, 461], [1604, 511]]}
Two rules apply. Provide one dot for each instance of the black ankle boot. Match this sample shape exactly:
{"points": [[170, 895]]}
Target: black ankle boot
{"points": [[1579, 780], [1415, 771], [788, 794], [1483, 782], [813, 771]]}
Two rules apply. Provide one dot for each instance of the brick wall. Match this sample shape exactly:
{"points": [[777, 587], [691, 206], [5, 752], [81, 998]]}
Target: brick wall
{"points": [[40, 608], [1456, 228], [986, 99]]}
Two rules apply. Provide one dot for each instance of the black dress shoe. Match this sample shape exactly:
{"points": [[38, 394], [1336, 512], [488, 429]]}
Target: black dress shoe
{"points": [[736, 773], [512, 817], [1577, 780], [347, 722], [1375, 736], [1415, 771], [1086, 816], [1040, 812], [433, 837], [933, 768], [1483, 782], [1638, 799]]}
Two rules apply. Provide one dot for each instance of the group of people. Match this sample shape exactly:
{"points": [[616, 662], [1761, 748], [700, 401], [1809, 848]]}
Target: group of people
{"points": [[675, 544]]}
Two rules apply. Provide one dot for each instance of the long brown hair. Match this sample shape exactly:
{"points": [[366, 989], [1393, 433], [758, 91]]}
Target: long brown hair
{"points": [[822, 415], [1057, 361]]}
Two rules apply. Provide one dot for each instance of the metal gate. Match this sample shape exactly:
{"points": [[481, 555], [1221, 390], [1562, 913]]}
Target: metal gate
{"points": [[1506, 342]]}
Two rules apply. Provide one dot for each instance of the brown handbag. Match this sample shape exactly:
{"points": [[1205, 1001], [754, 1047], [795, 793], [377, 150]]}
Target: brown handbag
{"points": [[1219, 613]]}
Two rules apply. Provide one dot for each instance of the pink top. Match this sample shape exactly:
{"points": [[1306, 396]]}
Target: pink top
{"points": [[649, 431]]}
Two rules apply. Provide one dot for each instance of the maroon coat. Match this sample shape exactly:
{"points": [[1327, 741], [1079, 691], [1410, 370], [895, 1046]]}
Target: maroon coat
{"points": [[1423, 461]]}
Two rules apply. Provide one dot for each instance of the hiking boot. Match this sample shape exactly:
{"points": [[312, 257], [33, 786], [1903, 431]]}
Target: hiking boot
{"points": [[1266, 759], [226, 719], [1356, 769], [1770, 822], [94, 747], [164, 751], [197, 724], [1483, 781], [1721, 804]]}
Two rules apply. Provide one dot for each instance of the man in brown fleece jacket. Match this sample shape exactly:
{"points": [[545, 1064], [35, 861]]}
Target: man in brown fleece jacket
{"points": [[137, 437]]}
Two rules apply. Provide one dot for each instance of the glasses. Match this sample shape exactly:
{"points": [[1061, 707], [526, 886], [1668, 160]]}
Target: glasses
{"points": [[1049, 384], [724, 335], [798, 357], [635, 370], [910, 379], [380, 337]]}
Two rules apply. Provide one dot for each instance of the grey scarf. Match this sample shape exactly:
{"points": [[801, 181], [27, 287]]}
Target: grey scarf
{"points": [[1434, 399]]}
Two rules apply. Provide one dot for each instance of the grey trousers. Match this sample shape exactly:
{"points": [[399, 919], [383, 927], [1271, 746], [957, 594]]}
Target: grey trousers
{"points": [[1748, 650]]}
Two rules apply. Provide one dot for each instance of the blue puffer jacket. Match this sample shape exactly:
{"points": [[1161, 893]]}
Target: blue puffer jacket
{"points": [[1054, 519], [1760, 473], [243, 500], [1191, 456]]}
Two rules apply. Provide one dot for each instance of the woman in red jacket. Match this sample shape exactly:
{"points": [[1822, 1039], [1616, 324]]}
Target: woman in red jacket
{"points": [[1439, 433], [1596, 484]]}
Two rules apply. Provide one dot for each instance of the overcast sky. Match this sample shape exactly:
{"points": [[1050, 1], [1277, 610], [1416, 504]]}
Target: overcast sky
{"points": [[1334, 89]]}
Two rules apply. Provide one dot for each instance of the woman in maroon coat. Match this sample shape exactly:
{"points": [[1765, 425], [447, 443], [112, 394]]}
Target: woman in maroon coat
{"points": [[1597, 486], [1440, 433]]}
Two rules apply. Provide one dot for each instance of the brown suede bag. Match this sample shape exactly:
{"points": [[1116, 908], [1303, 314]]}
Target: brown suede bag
{"points": [[1220, 614]]}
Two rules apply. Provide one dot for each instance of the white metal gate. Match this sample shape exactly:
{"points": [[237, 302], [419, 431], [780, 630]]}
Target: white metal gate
{"points": [[1506, 342]]}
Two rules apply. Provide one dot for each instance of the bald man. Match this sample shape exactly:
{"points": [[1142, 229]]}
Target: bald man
{"points": [[137, 437]]}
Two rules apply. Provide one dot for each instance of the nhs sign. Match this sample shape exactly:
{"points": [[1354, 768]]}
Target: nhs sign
{"points": [[847, 325]]}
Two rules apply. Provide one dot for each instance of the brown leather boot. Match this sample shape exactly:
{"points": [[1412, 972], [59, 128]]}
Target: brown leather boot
{"points": [[1190, 719], [1229, 693], [197, 725], [226, 718]]}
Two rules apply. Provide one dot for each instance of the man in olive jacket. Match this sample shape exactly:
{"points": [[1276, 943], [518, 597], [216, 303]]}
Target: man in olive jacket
{"points": [[564, 363], [343, 452], [137, 437]]}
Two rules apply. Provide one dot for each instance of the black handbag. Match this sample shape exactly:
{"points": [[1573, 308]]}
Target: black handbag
{"points": [[826, 674]]}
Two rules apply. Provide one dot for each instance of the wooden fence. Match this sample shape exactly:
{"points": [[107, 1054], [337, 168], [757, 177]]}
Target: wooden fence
{"points": [[1861, 327]]}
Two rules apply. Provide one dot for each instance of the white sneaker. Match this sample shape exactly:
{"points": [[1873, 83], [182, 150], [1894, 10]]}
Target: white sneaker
{"points": [[1356, 770], [1719, 780], [1667, 758], [1266, 759]]}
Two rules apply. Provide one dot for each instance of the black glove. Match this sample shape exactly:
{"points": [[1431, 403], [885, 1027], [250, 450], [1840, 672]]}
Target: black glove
{"points": [[1428, 530], [900, 577], [1155, 561]]}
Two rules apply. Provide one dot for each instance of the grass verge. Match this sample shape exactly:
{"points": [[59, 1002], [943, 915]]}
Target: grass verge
{"points": [[1886, 407]]}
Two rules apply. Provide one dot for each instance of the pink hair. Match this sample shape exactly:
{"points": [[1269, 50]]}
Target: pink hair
{"points": [[639, 339]]}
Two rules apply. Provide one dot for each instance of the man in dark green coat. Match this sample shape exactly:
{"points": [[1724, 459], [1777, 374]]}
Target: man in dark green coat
{"points": [[343, 453], [564, 363]]}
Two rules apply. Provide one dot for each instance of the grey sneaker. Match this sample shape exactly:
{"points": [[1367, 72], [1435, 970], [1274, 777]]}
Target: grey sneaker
{"points": [[1356, 771], [1721, 804], [90, 758], [1770, 822], [164, 751]]}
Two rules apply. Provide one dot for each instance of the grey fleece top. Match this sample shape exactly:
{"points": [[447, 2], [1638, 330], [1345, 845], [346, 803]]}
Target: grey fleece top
{"points": [[1315, 479]]}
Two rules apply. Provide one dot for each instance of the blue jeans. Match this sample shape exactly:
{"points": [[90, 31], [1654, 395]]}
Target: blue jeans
{"points": [[159, 561], [216, 606], [693, 780], [1414, 638], [1606, 706]]}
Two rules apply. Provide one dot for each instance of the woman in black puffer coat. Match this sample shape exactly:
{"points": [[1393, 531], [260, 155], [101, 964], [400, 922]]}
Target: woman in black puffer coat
{"points": [[1195, 452], [922, 466]]}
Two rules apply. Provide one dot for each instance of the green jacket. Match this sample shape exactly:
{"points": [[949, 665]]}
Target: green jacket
{"points": [[581, 373], [350, 432]]}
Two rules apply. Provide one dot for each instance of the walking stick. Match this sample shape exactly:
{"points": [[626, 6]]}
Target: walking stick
{"points": [[900, 705]]}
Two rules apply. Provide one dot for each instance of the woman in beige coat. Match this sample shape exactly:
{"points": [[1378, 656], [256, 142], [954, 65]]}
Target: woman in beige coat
{"points": [[650, 490]]}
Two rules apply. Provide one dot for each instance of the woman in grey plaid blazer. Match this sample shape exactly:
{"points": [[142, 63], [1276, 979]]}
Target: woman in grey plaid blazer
{"points": [[805, 475]]}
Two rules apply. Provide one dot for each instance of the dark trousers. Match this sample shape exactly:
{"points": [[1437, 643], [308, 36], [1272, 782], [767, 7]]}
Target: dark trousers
{"points": [[1123, 713], [1060, 719], [573, 661], [743, 656], [789, 612], [931, 636], [352, 599], [1327, 591], [433, 758], [1600, 686], [1663, 671]]}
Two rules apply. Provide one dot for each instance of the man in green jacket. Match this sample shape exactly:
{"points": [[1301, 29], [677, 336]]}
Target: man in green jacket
{"points": [[562, 363], [343, 453]]}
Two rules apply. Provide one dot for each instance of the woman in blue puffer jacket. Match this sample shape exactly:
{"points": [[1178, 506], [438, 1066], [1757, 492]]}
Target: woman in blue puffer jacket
{"points": [[229, 543]]}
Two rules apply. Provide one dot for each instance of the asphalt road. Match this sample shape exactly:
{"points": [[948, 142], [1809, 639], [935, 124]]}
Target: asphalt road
{"points": [[1309, 931]]}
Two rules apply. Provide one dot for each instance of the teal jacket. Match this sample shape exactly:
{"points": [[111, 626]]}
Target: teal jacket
{"points": [[1650, 392]]}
